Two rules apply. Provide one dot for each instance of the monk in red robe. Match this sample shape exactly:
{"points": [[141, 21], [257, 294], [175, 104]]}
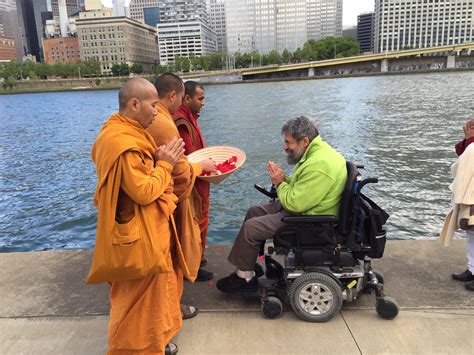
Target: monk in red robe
{"points": [[186, 119]]}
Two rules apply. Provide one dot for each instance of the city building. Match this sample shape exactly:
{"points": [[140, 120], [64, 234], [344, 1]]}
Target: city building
{"points": [[350, 32], [151, 16], [72, 7], [266, 25], [184, 39], [10, 26], [92, 5], [31, 24], [137, 9], [61, 50], [403, 24], [183, 10], [323, 18], [216, 16], [116, 40], [365, 32], [7, 48], [118, 7]]}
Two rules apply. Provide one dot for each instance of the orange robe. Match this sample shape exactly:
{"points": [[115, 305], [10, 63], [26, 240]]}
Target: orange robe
{"points": [[184, 174], [145, 313]]}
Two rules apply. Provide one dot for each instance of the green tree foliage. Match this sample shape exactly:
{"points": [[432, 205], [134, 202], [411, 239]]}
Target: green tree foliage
{"points": [[285, 56], [136, 68], [274, 57]]}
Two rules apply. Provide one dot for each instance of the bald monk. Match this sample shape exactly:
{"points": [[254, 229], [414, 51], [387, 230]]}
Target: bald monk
{"points": [[144, 313], [187, 215]]}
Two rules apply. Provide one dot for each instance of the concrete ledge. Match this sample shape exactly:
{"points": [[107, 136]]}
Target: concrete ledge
{"points": [[47, 309]]}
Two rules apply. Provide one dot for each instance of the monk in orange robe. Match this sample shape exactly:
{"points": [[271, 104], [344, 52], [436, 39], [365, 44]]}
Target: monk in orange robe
{"points": [[135, 202], [187, 215]]}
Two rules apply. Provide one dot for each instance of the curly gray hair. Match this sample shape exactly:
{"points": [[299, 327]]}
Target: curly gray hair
{"points": [[300, 127]]}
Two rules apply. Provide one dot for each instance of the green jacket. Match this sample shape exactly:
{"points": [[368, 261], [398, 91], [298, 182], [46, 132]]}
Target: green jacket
{"points": [[316, 186]]}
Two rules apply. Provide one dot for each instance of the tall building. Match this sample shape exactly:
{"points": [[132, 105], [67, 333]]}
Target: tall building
{"points": [[323, 18], [31, 21], [137, 8], [72, 7], [184, 39], [401, 24], [365, 32], [119, 7], [92, 5], [116, 40], [266, 25], [10, 26], [216, 15]]}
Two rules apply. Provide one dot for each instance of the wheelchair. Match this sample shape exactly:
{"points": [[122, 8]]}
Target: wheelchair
{"points": [[327, 260]]}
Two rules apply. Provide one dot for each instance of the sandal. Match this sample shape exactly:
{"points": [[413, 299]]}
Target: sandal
{"points": [[171, 349], [188, 311]]}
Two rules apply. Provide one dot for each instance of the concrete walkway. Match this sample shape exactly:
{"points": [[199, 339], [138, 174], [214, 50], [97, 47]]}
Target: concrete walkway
{"points": [[46, 309]]}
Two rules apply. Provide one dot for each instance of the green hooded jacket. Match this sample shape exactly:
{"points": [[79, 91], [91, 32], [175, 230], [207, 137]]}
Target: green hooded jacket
{"points": [[316, 186]]}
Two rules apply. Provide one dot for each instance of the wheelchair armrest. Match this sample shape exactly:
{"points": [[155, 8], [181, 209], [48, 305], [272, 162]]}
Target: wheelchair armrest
{"points": [[309, 219], [272, 193]]}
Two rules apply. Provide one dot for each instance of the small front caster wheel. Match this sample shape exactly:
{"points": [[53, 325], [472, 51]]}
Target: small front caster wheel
{"points": [[387, 307], [272, 308]]}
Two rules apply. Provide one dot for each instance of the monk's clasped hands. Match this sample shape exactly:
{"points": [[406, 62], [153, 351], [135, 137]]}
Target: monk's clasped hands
{"points": [[170, 152]]}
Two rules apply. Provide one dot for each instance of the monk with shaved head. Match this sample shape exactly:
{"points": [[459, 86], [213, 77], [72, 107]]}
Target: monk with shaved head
{"points": [[136, 249]]}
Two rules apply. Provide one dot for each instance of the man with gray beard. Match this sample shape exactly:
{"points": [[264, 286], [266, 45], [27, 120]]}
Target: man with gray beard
{"points": [[315, 188]]}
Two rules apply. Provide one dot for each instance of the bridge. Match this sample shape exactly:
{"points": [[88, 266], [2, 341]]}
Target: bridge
{"points": [[443, 57]]}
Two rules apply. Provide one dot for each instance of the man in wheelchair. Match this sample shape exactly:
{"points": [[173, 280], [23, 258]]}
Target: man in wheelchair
{"points": [[315, 188]]}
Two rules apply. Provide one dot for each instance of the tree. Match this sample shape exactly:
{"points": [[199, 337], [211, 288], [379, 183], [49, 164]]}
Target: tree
{"points": [[9, 83], [285, 57], [115, 69], [136, 68], [274, 57], [90, 68], [217, 60]]}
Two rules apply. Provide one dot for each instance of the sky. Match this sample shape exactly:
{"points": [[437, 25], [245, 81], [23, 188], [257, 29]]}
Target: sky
{"points": [[351, 8]]}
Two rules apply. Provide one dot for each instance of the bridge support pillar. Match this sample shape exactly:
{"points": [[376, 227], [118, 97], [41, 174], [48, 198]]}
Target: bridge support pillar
{"points": [[384, 66], [310, 71], [451, 61]]}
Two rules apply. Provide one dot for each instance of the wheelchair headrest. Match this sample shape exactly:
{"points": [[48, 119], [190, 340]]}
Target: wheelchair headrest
{"points": [[345, 210]]}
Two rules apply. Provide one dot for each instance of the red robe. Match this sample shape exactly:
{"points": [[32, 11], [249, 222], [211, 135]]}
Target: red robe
{"points": [[462, 145], [194, 141]]}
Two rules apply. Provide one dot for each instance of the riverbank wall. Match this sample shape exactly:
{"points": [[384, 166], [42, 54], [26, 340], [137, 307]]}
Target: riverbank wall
{"points": [[400, 67]]}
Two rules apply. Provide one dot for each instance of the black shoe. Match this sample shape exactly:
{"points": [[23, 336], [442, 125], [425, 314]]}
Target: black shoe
{"points": [[204, 275], [465, 276], [203, 261], [171, 349], [469, 285], [233, 284]]}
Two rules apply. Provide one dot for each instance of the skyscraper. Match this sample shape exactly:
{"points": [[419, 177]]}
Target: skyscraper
{"points": [[137, 8], [118, 7], [266, 25], [216, 15], [10, 25], [365, 32], [30, 16], [72, 7], [401, 24]]}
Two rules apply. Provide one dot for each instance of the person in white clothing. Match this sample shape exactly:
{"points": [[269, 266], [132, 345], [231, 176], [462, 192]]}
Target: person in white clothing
{"points": [[462, 214]]}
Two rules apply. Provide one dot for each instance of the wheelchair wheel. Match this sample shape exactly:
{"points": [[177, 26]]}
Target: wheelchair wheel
{"points": [[379, 275], [315, 297], [272, 308], [387, 307]]}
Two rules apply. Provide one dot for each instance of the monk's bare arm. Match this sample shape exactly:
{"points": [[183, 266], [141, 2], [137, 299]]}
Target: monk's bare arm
{"points": [[141, 183]]}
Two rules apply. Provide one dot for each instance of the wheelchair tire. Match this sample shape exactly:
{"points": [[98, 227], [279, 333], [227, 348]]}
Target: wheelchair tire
{"points": [[379, 275], [272, 308], [315, 297], [387, 308]]}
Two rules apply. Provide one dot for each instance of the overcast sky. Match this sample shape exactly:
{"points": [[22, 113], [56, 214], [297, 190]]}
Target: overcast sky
{"points": [[351, 8]]}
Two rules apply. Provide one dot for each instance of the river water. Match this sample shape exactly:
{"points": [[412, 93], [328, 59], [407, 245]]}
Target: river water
{"points": [[402, 128]]}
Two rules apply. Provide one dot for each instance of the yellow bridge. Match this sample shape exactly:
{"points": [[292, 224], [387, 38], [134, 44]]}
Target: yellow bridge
{"points": [[381, 58]]}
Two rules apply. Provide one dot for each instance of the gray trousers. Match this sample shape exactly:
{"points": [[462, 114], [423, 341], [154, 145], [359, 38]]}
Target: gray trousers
{"points": [[261, 223]]}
